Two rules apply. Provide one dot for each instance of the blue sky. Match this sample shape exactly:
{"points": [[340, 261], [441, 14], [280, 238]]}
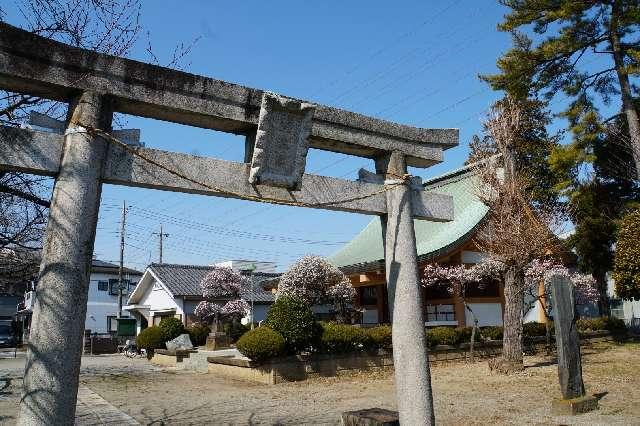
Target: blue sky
{"points": [[414, 62]]}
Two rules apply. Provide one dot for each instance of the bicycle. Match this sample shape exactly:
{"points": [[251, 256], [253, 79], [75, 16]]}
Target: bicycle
{"points": [[131, 350]]}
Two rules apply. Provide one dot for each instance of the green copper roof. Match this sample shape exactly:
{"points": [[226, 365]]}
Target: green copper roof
{"points": [[365, 251]]}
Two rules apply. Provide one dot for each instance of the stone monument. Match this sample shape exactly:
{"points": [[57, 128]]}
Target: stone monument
{"points": [[574, 398]]}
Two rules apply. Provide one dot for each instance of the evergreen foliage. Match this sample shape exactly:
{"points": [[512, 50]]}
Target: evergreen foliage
{"points": [[151, 338], [198, 334], [261, 344], [292, 318], [342, 338], [171, 327], [442, 336], [588, 51], [627, 258], [380, 336], [570, 35]]}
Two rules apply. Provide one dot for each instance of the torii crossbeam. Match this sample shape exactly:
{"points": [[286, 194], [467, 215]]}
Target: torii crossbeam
{"points": [[278, 132]]}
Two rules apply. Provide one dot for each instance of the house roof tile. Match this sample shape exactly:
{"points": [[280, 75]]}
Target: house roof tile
{"points": [[184, 280]]}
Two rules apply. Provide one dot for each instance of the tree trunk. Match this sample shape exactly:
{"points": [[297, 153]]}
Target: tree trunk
{"points": [[603, 299], [630, 113], [473, 332], [514, 304], [473, 340], [548, 334]]}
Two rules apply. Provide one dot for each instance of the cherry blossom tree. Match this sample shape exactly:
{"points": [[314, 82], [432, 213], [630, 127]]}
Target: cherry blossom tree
{"points": [[309, 279], [342, 295], [221, 288], [457, 280], [538, 277]]}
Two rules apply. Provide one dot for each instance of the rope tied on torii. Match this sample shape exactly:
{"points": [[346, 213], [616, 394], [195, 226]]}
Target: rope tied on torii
{"points": [[77, 127]]}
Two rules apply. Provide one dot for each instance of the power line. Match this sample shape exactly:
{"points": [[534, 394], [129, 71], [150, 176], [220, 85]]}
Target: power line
{"points": [[380, 75], [386, 47], [429, 63]]}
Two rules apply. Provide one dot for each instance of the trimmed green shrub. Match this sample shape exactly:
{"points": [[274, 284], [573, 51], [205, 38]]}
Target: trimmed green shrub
{"points": [[151, 338], [235, 330], [198, 334], [293, 319], [614, 325], [533, 329], [380, 337], [626, 270], [591, 324], [261, 344], [441, 336], [491, 333], [464, 334], [172, 328], [342, 338]]}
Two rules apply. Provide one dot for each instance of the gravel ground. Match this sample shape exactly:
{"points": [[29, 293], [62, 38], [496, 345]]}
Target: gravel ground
{"points": [[464, 394]]}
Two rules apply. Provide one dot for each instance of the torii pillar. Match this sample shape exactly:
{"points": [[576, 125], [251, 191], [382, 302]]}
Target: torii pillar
{"points": [[410, 357], [55, 346]]}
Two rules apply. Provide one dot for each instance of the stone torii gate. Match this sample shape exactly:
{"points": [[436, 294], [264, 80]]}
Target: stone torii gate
{"points": [[278, 132]]}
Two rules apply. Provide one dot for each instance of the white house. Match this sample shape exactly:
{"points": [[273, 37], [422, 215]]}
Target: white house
{"points": [[167, 290], [102, 303]]}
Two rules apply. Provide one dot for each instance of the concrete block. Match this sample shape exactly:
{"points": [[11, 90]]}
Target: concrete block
{"points": [[217, 341], [571, 407], [370, 417]]}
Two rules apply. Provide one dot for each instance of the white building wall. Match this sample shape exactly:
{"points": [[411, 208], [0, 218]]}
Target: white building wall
{"points": [[101, 304], [487, 313], [159, 299], [630, 308]]}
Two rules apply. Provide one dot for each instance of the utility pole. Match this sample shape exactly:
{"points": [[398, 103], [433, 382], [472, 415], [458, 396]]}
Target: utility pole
{"points": [[161, 235], [120, 269]]}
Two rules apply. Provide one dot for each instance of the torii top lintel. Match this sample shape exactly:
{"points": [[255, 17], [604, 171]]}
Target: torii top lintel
{"points": [[42, 67]]}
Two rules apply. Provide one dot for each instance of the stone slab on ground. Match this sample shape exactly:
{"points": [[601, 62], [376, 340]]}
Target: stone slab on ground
{"points": [[182, 342], [370, 417], [92, 409], [571, 407]]}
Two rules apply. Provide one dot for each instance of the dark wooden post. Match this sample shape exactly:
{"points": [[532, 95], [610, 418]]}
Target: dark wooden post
{"points": [[573, 400]]}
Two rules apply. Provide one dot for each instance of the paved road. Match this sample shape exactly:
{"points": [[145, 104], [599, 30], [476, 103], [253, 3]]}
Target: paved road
{"points": [[92, 409]]}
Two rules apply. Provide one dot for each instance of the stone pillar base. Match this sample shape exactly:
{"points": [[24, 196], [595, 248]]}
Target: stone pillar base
{"points": [[571, 407], [370, 417], [217, 341]]}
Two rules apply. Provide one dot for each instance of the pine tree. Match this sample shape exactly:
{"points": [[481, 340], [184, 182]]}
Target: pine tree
{"points": [[595, 173], [575, 37]]}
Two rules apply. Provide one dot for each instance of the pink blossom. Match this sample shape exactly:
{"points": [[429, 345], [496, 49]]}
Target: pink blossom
{"points": [[343, 291], [543, 270], [206, 309], [454, 277], [489, 269], [586, 288], [237, 307], [309, 279], [222, 282]]}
